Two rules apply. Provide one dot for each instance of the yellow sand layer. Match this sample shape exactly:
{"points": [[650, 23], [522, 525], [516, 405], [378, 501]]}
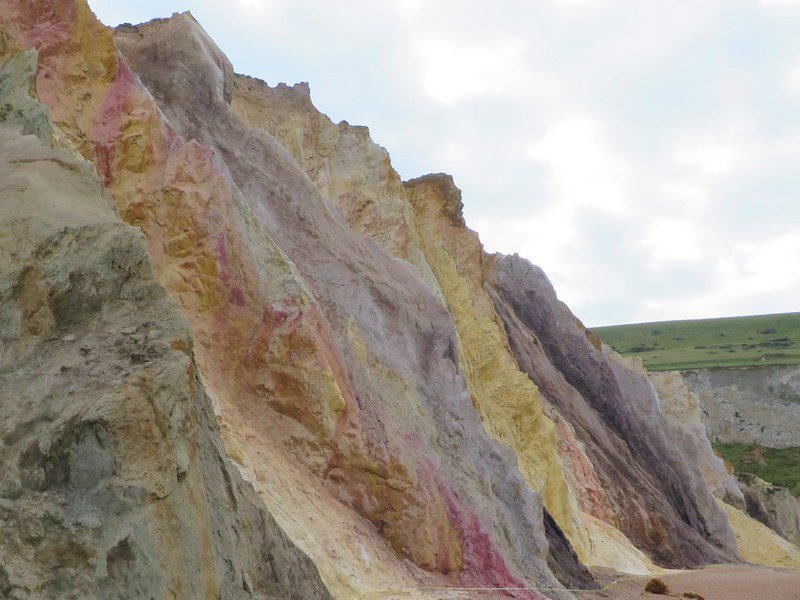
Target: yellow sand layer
{"points": [[509, 403], [610, 548], [353, 559], [760, 545]]}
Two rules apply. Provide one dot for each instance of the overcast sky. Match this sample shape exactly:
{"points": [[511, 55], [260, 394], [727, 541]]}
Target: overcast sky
{"points": [[645, 153]]}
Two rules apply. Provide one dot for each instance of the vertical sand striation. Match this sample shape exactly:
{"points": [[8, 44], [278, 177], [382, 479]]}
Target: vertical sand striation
{"points": [[349, 170], [681, 408], [393, 456], [355, 175], [508, 401]]}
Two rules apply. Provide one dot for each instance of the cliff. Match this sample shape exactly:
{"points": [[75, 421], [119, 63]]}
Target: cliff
{"points": [[772, 505], [616, 417], [752, 415], [758, 405], [273, 369], [681, 408]]}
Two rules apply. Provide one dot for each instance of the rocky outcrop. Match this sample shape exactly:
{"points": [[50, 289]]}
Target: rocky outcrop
{"points": [[358, 178], [772, 505], [508, 401], [654, 497], [115, 482], [395, 451], [758, 405]]}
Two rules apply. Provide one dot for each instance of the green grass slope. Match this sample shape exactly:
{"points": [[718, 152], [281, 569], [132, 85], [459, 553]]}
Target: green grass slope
{"points": [[709, 343], [775, 465]]}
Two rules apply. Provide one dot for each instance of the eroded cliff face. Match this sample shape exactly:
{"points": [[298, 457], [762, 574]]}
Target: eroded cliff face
{"points": [[771, 505], [115, 482], [681, 409], [551, 458], [506, 398], [394, 401], [349, 170], [329, 359], [756, 405], [614, 412]]}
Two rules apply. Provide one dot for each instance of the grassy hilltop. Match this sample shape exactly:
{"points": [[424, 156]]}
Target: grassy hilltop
{"points": [[714, 343], [709, 343]]}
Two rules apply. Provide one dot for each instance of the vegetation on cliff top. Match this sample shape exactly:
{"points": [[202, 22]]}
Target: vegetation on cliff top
{"points": [[775, 465], [709, 343]]}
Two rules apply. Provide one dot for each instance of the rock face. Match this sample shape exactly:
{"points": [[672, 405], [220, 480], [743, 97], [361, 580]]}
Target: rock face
{"points": [[758, 405], [402, 415], [616, 417], [115, 482], [772, 505], [504, 396], [349, 170], [246, 360], [508, 401]]}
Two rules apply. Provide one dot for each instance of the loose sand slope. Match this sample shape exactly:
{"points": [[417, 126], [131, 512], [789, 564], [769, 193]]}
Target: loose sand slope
{"points": [[759, 544]]}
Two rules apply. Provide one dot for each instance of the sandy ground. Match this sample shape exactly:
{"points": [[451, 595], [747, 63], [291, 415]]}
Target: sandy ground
{"points": [[720, 582]]}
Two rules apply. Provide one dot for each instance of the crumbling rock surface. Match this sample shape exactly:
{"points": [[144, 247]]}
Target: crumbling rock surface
{"points": [[682, 412], [326, 357], [349, 170], [396, 454]]}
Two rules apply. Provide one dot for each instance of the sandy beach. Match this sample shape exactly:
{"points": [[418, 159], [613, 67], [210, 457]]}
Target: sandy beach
{"points": [[719, 582]]}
